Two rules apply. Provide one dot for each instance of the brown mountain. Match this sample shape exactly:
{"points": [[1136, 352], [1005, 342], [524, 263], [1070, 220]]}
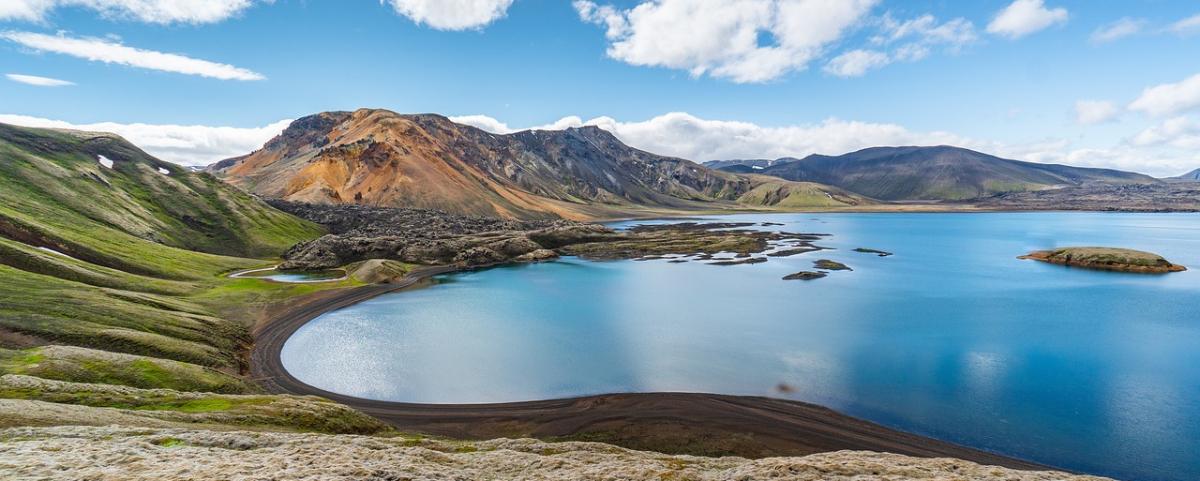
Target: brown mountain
{"points": [[382, 158]]}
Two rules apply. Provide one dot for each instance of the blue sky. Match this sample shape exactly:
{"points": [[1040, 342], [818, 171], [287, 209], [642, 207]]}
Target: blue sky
{"points": [[1041, 80]]}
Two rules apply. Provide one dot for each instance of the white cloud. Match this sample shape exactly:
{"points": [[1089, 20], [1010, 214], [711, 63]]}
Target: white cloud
{"points": [[1088, 112], [38, 81], [1119, 29], [686, 136], [149, 11], [182, 144], [1169, 99], [745, 41], [452, 14], [855, 63], [1186, 26], [1178, 132], [906, 41], [100, 50], [1024, 17]]}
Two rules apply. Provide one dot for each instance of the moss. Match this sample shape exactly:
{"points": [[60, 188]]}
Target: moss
{"points": [[170, 442]]}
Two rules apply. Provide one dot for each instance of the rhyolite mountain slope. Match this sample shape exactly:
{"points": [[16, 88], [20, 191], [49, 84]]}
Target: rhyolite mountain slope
{"points": [[381, 158], [1193, 176], [938, 173]]}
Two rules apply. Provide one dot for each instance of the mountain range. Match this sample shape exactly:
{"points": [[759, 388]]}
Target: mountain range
{"points": [[931, 173], [381, 158], [1193, 176]]}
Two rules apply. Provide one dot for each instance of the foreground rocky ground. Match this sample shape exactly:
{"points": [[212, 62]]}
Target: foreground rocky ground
{"points": [[115, 453], [430, 237]]}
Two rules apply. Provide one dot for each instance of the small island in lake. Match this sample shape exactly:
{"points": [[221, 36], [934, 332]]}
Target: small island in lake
{"points": [[1107, 259]]}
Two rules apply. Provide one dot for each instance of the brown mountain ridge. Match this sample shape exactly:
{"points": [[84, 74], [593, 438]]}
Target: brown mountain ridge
{"points": [[381, 158]]}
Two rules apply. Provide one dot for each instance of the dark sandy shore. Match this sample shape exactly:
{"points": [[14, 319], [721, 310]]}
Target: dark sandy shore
{"points": [[702, 424]]}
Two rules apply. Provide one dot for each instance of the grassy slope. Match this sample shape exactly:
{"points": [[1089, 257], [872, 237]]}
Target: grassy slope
{"points": [[127, 264]]}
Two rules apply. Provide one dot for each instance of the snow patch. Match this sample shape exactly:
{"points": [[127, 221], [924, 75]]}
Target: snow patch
{"points": [[52, 251], [104, 161], [164, 171]]}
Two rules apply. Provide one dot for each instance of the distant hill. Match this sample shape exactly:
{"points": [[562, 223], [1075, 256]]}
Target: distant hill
{"points": [[1193, 176], [382, 158], [938, 173], [747, 165]]}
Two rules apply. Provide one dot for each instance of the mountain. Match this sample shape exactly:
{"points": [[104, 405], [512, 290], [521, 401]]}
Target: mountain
{"points": [[382, 158], [1193, 176], [939, 173], [96, 195], [747, 165], [97, 238]]}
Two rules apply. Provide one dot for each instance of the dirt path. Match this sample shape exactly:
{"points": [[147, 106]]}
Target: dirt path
{"points": [[703, 424]]}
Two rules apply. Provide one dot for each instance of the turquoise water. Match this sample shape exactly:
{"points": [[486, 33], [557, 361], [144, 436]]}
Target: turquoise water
{"points": [[952, 337]]}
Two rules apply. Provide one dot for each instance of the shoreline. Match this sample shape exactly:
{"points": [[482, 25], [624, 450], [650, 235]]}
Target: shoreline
{"points": [[691, 423]]}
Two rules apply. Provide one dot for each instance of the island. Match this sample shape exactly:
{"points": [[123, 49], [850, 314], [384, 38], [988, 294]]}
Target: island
{"points": [[1107, 259]]}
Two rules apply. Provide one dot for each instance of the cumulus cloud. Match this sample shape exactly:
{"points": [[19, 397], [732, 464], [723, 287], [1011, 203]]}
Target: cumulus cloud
{"points": [[686, 136], [1169, 98], [903, 41], [855, 63], [149, 11], [182, 144], [1089, 112], [1119, 29], [38, 81], [101, 50], [452, 14], [745, 41], [1023, 17], [1178, 132]]}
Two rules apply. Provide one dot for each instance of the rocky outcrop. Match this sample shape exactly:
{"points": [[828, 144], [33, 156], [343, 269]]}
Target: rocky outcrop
{"points": [[1107, 259], [118, 454], [429, 237]]}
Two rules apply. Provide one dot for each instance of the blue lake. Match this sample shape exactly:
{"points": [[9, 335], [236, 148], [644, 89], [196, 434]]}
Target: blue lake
{"points": [[952, 337]]}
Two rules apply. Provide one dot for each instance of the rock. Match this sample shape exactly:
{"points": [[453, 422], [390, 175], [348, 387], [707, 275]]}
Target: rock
{"points": [[752, 260], [123, 453], [378, 271], [537, 255], [804, 276], [794, 251], [831, 265], [1107, 259], [879, 253]]}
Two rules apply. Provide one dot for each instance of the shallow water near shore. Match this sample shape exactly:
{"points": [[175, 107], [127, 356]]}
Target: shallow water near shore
{"points": [[952, 337]]}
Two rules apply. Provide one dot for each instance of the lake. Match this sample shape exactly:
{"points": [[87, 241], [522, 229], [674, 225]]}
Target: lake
{"points": [[952, 337]]}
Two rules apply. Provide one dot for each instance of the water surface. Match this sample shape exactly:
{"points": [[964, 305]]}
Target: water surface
{"points": [[952, 337]]}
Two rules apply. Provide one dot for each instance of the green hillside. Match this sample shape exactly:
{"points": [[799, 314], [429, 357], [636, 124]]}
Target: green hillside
{"points": [[115, 276]]}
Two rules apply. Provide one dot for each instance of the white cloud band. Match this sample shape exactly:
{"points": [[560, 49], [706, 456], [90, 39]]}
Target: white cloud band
{"points": [[182, 144], [99, 50]]}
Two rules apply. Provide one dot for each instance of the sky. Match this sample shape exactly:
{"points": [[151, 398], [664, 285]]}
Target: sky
{"points": [[1098, 84]]}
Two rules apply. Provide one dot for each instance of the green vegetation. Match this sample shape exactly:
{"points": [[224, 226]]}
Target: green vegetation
{"points": [[303, 413], [114, 299], [784, 194], [831, 265], [76, 364], [1107, 258]]}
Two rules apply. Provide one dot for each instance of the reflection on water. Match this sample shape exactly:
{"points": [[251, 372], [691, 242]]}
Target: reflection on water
{"points": [[951, 337]]}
